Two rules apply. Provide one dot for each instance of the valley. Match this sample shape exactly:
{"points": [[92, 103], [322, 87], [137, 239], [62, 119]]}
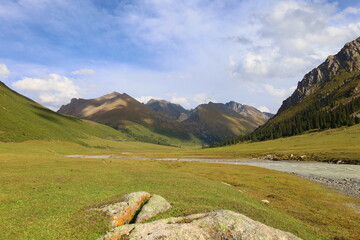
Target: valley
{"points": [[46, 195], [83, 162]]}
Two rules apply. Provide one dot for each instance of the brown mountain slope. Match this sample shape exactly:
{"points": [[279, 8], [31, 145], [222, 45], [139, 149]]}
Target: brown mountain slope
{"points": [[123, 112], [214, 122], [208, 122], [249, 112]]}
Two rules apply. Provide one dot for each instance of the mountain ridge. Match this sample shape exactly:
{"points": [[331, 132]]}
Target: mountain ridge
{"points": [[208, 122], [348, 59]]}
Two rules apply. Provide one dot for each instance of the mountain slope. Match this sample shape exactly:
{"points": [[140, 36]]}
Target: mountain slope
{"points": [[248, 112], [172, 110], [22, 119], [214, 122], [327, 97], [123, 112]]}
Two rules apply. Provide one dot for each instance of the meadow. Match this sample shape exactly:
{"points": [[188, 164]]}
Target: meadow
{"points": [[44, 195]]}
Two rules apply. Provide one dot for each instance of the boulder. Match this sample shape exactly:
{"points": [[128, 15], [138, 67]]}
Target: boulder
{"points": [[123, 212], [156, 205], [222, 224]]}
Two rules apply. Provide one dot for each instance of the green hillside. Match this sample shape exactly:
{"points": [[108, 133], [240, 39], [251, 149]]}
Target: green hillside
{"points": [[22, 119]]}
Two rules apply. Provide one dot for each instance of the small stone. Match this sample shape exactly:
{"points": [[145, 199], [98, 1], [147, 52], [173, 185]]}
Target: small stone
{"points": [[265, 201], [227, 184]]}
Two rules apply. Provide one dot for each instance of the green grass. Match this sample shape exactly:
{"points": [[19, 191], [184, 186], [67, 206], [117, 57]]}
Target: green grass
{"points": [[46, 196], [341, 143], [22, 119]]}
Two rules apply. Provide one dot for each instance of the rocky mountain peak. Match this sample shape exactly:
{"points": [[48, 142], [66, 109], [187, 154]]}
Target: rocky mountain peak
{"points": [[348, 59], [172, 110], [111, 95]]}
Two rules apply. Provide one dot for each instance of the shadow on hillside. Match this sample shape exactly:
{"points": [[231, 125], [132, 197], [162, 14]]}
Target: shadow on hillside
{"points": [[51, 115]]}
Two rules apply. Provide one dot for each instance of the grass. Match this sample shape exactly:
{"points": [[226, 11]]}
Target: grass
{"points": [[341, 143], [22, 119], [46, 196]]}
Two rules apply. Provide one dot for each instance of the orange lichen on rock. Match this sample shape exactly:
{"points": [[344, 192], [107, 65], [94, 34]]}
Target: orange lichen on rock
{"points": [[123, 212], [134, 204]]}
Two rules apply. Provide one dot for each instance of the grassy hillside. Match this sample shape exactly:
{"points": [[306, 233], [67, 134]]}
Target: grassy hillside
{"points": [[46, 196], [22, 119]]}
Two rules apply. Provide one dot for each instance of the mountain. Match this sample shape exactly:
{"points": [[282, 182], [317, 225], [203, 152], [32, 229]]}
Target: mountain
{"points": [[327, 97], [346, 61], [23, 119], [172, 110], [249, 112], [214, 122], [161, 121], [137, 120]]}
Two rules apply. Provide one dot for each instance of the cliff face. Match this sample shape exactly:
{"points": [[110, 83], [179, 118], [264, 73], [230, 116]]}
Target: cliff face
{"points": [[347, 59]]}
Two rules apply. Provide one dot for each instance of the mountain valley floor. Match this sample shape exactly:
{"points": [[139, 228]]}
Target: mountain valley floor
{"points": [[45, 195]]}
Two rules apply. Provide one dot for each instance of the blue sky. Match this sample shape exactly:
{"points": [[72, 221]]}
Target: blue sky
{"points": [[188, 52]]}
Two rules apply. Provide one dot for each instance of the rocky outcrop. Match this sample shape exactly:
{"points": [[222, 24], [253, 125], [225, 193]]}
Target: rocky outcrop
{"points": [[347, 59], [156, 205], [247, 111], [222, 224], [123, 212]]}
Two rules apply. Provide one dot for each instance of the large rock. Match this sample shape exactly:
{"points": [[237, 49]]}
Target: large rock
{"points": [[123, 213], [222, 224], [156, 205]]}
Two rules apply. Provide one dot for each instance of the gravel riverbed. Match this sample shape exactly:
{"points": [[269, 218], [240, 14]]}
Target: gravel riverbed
{"points": [[348, 186]]}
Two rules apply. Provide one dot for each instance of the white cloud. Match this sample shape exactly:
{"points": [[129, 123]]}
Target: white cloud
{"points": [[145, 99], [84, 71], [202, 98], [186, 47], [180, 100], [53, 90], [276, 92], [292, 37], [263, 109], [4, 71]]}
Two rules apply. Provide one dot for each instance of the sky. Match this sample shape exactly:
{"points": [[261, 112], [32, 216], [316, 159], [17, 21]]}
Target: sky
{"points": [[188, 52]]}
